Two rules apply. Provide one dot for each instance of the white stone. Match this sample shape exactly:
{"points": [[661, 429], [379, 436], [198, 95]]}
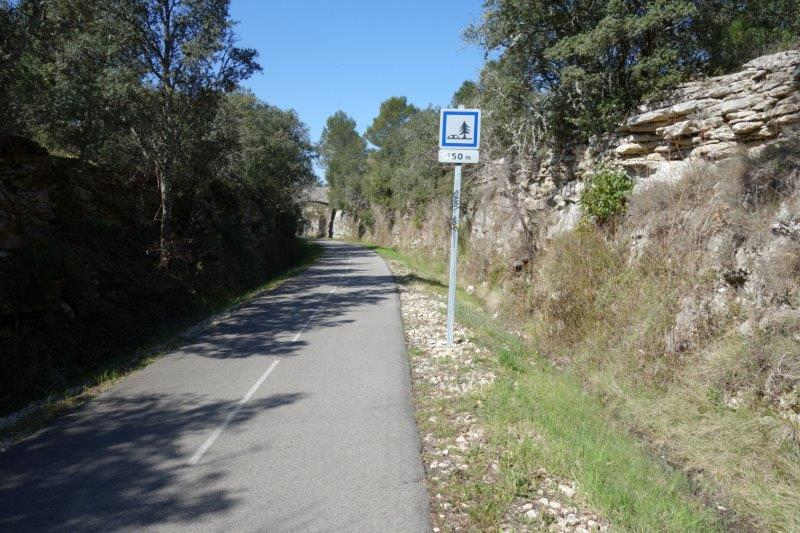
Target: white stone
{"points": [[774, 62], [738, 104], [684, 108], [787, 119], [639, 138], [532, 514], [566, 490], [781, 91], [787, 108], [632, 149], [742, 128], [724, 133], [743, 116], [715, 151], [679, 129]]}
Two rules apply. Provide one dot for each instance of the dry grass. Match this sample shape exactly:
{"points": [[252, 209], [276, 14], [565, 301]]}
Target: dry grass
{"points": [[653, 327], [684, 317]]}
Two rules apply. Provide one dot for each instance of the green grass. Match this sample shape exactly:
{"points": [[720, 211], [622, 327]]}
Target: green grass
{"points": [[60, 402], [538, 416]]}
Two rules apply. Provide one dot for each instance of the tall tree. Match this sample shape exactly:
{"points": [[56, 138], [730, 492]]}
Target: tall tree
{"points": [[12, 42], [343, 153], [268, 148], [185, 53], [73, 77], [394, 112]]}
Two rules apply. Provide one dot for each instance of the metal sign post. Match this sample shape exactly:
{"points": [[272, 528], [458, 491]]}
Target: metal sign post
{"points": [[451, 294], [459, 139]]}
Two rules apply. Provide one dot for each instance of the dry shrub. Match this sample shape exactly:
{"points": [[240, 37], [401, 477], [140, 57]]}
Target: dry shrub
{"points": [[684, 219], [593, 307], [774, 174], [566, 279]]}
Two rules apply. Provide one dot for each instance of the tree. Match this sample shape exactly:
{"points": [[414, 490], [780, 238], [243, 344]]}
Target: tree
{"points": [[185, 54], [343, 153], [12, 43], [72, 77], [740, 30], [394, 112], [591, 62], [267, 147], [466, 95]]}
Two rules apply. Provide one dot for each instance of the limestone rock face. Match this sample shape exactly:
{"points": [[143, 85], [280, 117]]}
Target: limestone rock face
{"points": [[517, 205], [715, 116]]}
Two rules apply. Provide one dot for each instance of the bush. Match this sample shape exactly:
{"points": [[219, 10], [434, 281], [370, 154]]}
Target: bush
{"points": [[606, 194]]}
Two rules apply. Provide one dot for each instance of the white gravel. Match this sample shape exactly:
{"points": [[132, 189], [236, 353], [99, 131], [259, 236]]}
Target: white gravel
{"points": [[444, 376]]}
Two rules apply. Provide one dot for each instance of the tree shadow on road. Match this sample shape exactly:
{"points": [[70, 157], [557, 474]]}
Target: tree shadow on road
{"points": [[265, 326], [121, 465], [121, 462]]}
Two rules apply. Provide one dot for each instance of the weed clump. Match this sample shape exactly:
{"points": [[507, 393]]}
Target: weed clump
{"points": [[606, 194]]}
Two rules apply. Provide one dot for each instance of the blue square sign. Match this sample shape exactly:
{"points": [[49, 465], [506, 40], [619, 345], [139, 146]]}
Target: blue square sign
{"points": [[460, 128]]}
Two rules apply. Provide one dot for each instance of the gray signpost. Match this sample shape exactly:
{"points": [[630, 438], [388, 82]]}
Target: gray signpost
{"points": [[459, 139]]}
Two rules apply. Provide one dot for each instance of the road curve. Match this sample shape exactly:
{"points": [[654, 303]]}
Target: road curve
{"points": [[291, 414]]}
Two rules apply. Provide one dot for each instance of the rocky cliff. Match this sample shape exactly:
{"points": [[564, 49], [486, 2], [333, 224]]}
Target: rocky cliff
{"points": [[513, 207], [684, 312]]}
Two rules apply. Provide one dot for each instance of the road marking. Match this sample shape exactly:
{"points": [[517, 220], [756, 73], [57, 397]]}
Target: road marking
{"points": [[217, 432]]}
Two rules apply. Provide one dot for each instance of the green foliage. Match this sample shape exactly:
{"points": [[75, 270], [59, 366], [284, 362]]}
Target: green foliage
{"points": [[344, 155], [268, 148], [738, 31], [393, 114], [136, 93], [606, 194], [466, 95], [589, 63], [402, 172]]}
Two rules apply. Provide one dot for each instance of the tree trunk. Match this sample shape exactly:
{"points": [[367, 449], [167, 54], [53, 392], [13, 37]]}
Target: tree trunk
{"points": [[163, 185]]}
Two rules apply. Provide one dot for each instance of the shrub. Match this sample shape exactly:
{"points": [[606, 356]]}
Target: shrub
{"points": [[606, 194]]}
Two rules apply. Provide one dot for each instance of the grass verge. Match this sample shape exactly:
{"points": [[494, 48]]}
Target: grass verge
{"points": [[41, 413], [539, 417]]}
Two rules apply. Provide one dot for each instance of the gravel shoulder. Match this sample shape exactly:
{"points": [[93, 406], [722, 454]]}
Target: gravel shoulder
{"points": [[467, 470]]}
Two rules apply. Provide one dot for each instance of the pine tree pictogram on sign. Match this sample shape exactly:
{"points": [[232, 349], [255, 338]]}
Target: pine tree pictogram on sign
{"points": [[463, 132]]}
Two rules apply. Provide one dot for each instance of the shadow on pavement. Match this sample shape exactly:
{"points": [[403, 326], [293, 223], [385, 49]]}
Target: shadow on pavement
{"points": [[118, 466], [119, 463], [265, 325]]}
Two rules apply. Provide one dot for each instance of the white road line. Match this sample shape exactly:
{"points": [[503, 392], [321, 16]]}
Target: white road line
{"points": [[217, 432]]}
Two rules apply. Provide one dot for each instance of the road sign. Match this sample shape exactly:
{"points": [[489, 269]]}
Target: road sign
{"points": [[459, 140], [458, 155], [460, 128]]}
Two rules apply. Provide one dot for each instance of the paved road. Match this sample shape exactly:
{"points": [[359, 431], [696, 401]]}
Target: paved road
{"points": [[292, 414]]}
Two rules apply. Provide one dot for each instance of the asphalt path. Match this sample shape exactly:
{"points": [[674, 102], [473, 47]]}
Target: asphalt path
{"points": [[292, 413]]}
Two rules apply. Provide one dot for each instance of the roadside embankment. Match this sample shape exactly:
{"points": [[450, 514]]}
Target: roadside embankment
{"points": [[511, 443]]}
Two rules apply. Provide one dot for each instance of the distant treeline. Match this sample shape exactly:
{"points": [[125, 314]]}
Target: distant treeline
{"points": [[560, 72], [161, 187]]}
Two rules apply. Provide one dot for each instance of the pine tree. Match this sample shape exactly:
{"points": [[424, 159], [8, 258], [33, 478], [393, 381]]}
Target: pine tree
{"points": [[464, 130]]}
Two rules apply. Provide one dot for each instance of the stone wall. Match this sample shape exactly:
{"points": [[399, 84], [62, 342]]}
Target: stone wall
{"points": [[316, 220], [512, 207], [716, 117]]}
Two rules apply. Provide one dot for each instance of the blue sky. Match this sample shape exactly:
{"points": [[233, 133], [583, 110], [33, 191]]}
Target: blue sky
{"points": [[321, 56]]}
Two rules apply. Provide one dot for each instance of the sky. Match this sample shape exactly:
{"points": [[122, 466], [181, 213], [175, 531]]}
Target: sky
{"points": [[320, 56]]}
